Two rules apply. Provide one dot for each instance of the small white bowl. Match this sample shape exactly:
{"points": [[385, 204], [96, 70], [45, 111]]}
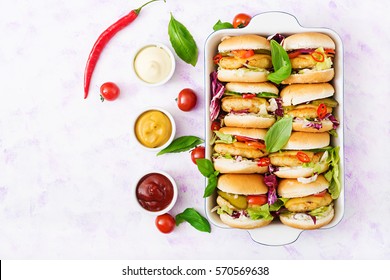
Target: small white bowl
{"points": [[170, 205], [173, 126], [171, 59]]}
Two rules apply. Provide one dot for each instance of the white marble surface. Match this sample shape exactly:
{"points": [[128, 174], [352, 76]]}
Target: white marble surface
{"points": [[67, 165]]}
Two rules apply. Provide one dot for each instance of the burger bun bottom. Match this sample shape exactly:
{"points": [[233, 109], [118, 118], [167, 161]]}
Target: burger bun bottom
{"points": [[304, 221], [243, 222], [311, 76]]}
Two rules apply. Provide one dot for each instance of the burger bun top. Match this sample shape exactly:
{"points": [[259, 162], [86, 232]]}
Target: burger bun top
{"points": [[245, 184], [301, 93], [308, 40], [246, 42], [290, 188]]}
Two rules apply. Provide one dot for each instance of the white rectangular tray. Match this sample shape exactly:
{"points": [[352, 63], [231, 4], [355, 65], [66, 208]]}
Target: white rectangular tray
{"points": [[266, 24]]}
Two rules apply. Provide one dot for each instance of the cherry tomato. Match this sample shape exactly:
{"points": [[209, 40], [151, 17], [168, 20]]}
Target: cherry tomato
{"points": [[255, 144], [186, 100], [241, 20], [215, 126], [322, 111], [198, 152], [217, 58], [109, 91], [165, 223], [303, 157], [257, 199], [265, 161]]}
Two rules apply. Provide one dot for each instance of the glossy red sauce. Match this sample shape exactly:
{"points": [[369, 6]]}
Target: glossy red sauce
{"points": [[154, 192]]}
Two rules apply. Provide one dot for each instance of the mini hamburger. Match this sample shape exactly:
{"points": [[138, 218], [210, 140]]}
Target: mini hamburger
{"points": [[240, 150], [242, 201], [311, 106], [246, 105], [245, 58], [304, 156], [309, 206], [311, 55]]}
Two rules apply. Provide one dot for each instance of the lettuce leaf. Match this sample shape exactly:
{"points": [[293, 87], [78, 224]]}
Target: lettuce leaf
{"points": [[260, 212], [333, 175], [224, 138], [278, 204], [224, 209]]}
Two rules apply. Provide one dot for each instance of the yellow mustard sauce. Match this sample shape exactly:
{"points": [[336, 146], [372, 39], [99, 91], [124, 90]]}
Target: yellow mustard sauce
{"points": [[152, 64], [153, 129]]}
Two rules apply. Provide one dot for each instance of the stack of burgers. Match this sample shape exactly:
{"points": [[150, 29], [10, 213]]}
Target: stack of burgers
{"points": [[256, 186]]}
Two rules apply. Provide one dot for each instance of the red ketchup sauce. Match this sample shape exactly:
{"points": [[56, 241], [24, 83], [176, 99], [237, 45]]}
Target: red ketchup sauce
{"points": [[154, 192]]}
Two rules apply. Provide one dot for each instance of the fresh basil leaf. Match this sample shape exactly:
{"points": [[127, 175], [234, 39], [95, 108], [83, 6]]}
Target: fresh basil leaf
{"points": [[211, 185], [182, 42], [222, 25], [195, 219], [181, 144], [278, 134], [281, 63], [205, 166]]}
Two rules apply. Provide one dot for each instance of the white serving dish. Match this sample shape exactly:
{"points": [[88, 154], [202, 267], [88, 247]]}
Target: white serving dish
{"points": [[267, 24]]}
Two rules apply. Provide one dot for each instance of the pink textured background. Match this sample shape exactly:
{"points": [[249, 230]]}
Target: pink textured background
{"points": [[67, 165]]}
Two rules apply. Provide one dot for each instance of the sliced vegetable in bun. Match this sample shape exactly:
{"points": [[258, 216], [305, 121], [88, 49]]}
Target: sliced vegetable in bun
{"points": [[311, 55], [249, 105], [311, 106], [242, 201], [309, 205], [239, 150], [244, 58]]}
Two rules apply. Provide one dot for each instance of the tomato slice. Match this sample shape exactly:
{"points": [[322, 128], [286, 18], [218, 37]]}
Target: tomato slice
{"points": [[217, 58], [257, 199], [303, 157], [255, 144], [240, 138], [320, 194], [330, 51], [294, 54], [265, 161], [243, 53], [248, 95], [322, 111]]}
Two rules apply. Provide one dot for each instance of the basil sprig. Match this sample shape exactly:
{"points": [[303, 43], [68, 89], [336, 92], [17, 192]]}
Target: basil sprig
{"points": [[195, 219], [281, 63], [181, 144], [278, 134], [222, 25], [206, 167], [182, 42]]}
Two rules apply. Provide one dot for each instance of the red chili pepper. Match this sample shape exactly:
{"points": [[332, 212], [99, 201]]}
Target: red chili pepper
{"points": [[102, 41], [317, 56], [322, 111], [303, 157]]}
